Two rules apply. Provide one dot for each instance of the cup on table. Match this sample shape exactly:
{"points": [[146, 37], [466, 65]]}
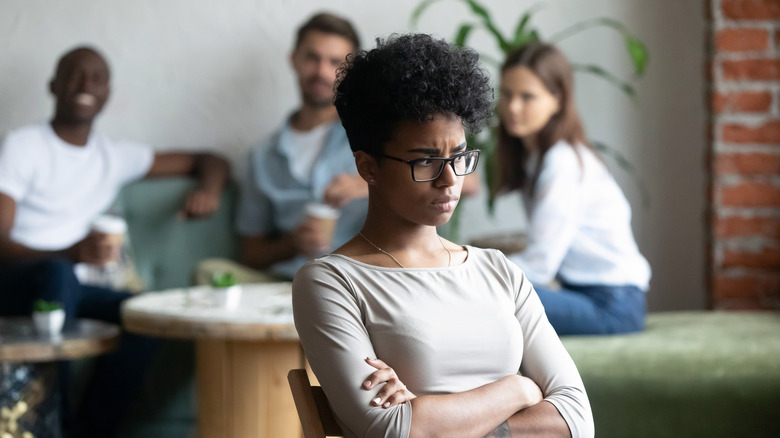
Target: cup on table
{"points": [[228, 298], [112, 230], [323, 217], [49, 323]]}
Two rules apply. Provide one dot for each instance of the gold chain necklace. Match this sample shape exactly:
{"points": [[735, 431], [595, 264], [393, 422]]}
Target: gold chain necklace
{"points": [[449, 253]]}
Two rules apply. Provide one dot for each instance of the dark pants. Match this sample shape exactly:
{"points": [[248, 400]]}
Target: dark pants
{"points": [[594, 310], [118, 375]]}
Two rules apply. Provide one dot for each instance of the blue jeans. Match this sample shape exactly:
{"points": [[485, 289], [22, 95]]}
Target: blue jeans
{"points": [[594, 310], [118, 375]]}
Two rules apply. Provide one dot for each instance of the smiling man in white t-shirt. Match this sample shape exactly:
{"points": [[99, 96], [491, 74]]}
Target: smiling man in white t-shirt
{"points": [[55, 179]]}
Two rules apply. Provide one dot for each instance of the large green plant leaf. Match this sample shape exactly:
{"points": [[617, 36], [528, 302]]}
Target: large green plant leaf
{"points": [[487, 22], [637, 50], [524, 35], [463, 34], [624, 86], [638, 53], [477, 9], [418, 11]]}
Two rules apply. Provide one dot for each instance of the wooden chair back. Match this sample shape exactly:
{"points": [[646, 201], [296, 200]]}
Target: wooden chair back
{"points": [[316, 417]]}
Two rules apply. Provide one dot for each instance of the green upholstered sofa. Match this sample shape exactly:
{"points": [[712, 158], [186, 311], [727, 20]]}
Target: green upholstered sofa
{"points": [[166, 250], [689, 374]]}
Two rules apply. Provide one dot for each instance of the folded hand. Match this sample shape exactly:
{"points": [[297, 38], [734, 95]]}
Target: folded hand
{"points": [[394, 392]]}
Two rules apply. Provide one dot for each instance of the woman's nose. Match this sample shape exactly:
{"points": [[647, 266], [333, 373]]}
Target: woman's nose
{"points": [[447, 176]]}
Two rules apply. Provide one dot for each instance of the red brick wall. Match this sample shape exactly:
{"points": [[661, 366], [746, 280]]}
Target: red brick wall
{"points": [[744, 96]]}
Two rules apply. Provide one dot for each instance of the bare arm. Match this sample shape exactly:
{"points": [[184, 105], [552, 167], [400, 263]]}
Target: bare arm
{"points": [[10, 250], [514, 403], [91, 249], [478, 412], [343, 189], [542, 419], [262, 251], [211, 171]]}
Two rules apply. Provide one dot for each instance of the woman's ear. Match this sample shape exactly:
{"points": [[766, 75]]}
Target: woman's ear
{"points": [[367, 166]]}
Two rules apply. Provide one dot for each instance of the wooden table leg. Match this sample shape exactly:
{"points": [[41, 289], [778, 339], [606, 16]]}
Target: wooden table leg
{"points": [[243, 391]]}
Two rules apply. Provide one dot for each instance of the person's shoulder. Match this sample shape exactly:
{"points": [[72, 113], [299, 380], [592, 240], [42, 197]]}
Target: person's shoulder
{"points": [[28, 135], [121, 143], [564, 152], [268, 143], [328, 271], [563, 159], [487, 256], [496, 262]]}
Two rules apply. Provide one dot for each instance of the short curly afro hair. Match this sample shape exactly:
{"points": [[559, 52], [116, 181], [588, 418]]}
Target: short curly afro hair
{"points": [[410, 77]]}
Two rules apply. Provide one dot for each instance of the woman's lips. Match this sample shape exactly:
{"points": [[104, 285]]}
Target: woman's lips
{"points": [[446, 204]]}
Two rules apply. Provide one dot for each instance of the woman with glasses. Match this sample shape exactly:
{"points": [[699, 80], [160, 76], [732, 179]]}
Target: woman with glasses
{"points": [[465, 347], [579, 223]]}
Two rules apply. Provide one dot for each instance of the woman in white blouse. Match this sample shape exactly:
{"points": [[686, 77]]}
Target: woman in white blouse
{"points": [[579, 220], [453, 325]]}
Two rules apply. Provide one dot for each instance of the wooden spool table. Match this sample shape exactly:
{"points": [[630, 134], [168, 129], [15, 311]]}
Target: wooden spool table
{"points": [[242, 355], [29, 397]]}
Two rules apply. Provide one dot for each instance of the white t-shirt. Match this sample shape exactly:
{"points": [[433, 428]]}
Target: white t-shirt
{"points": [[443, 331], [580, 224], [305, 146], [60, 188]]}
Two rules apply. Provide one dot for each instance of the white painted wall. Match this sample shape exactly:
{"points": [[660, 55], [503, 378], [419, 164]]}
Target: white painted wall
{"points": [[214, 74]]}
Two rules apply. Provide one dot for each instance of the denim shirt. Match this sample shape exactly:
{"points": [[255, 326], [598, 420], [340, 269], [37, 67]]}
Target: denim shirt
{"points": [[273, 200]]}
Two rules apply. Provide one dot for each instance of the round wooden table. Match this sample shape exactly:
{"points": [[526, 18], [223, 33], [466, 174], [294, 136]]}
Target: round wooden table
{"points": [[242, 355], [29, 395]]}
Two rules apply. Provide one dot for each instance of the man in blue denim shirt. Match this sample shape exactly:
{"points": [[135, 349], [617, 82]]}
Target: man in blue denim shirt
{"points": [[308, 160]]}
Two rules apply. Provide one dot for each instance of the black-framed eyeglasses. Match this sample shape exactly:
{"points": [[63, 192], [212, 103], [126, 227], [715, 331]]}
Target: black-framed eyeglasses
{"points": [[430, 168]]}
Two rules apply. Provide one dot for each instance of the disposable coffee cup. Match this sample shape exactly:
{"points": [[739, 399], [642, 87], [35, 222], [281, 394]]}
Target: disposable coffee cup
{"points": [[113, 228], [324, 217]]}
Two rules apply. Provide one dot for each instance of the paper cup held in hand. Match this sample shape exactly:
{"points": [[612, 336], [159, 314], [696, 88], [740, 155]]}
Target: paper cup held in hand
{"points": [[113, 227], [324, 216], [228, 298]]}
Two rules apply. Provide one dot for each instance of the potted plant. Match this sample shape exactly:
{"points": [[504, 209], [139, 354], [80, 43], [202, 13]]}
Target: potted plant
{"points": [[227, 291], [48, 317]]}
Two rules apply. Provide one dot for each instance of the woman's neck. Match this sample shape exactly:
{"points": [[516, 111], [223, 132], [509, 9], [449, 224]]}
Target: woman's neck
{"points": [[392, 241], [531, 142], [398, 236]]}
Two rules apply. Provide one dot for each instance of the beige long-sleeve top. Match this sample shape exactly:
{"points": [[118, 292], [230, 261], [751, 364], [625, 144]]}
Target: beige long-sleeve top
{"points": [[443, 330]]}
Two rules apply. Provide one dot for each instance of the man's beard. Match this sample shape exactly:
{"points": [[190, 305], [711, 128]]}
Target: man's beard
{"points": [[314, 100], [317, 101]]}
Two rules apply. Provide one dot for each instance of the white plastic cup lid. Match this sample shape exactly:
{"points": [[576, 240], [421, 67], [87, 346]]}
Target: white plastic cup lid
{"points": [[109, 224], [323, 211]]}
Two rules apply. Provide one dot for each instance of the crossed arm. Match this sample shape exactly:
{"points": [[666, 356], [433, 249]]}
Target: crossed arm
{"points": [[514, 401]]}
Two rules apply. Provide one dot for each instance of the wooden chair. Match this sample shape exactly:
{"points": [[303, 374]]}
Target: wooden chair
{"points": [[317, 419]]}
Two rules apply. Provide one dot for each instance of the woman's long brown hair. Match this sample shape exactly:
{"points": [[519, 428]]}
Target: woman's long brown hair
{"points": [[552, 68]]}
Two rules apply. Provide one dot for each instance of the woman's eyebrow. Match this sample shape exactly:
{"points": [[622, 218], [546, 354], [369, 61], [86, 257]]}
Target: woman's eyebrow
{"points": [[436, 151]]}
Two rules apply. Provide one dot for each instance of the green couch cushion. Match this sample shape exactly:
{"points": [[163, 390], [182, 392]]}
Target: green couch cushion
{"points": [[167, 248], [689, 374]]}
